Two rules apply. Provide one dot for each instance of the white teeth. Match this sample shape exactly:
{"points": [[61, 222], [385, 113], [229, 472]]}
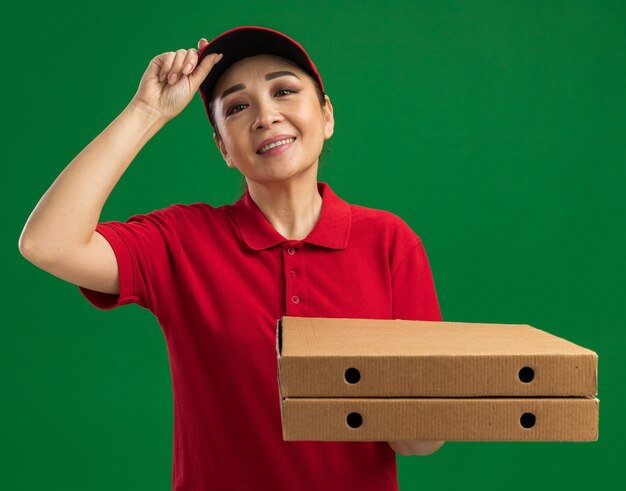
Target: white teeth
{"points": [[275, 144]]}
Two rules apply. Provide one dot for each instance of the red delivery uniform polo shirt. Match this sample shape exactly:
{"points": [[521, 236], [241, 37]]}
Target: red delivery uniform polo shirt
{"points": [[218, 279]]}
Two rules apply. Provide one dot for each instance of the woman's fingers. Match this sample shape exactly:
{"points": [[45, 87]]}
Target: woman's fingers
{"points": [[173, 63], [183, 62], [191, 60], [168, 59], [201, 71], [202, 43], [177, 66], [180, 62]]}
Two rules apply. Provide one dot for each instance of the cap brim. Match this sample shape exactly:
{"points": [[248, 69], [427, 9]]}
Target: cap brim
{"points": [[246, 41]]}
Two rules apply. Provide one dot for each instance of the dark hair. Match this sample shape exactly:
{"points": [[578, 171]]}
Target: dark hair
{"points": [[320, 97]]}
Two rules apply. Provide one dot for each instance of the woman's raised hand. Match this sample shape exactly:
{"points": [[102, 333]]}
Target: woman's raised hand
{"points": [[171, 80]]}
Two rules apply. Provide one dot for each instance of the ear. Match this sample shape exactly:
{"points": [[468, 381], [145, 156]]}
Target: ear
{"points": [[222, 148], [329, 119]]}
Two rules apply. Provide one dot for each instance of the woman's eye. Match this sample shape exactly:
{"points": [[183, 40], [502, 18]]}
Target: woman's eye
{"points": [[233, 109]]}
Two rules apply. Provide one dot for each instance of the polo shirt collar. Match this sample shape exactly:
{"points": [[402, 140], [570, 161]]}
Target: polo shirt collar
{"points": [[332, 229]]}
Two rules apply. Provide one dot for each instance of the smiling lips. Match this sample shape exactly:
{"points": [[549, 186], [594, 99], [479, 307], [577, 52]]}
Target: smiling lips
{"points": [[276, 144], [277, 141]]}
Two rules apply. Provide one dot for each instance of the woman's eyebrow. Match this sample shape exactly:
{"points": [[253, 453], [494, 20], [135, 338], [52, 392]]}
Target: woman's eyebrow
{"points": [[283, 73], [269, 76]]}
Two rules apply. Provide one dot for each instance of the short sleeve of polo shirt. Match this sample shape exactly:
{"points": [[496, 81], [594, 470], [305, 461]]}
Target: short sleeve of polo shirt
{"points": [[146, 247], [414, 293]]}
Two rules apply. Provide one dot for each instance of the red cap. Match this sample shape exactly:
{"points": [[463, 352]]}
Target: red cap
{"points": [[245, 41]]}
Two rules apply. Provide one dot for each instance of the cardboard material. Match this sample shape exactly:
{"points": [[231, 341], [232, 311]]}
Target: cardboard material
{"points": [[368, 380], [364, 357], [473, 419]]}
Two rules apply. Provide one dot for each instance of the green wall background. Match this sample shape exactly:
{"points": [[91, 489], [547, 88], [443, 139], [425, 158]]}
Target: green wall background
{"points": [[495, 129]]}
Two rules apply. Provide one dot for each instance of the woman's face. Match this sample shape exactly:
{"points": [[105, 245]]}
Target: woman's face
{"points": [[255, 100]]}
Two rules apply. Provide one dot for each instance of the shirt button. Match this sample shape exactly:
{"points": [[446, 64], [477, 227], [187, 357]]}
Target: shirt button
{"points": [[293, 274], [295, 299], [291, 251]]}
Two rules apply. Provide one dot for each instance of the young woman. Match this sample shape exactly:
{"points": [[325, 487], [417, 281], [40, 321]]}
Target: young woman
{"points": [[218, 278]]}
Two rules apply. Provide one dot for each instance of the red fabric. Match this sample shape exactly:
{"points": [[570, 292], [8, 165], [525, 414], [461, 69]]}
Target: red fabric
{"points": [[218, 279]]}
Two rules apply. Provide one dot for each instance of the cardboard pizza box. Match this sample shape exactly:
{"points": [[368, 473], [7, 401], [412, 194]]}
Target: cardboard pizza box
{"points": [[332, 357], [385, 380], [449, 419]]}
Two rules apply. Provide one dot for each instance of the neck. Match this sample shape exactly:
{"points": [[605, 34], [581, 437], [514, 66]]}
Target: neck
{"points": [[292, 207]]}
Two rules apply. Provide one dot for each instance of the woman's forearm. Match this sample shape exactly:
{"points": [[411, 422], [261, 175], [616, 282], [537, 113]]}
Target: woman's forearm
{"points": [[67, 214]]}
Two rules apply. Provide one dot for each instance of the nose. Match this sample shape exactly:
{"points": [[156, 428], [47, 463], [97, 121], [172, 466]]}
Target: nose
{"points": [[267, 113]]}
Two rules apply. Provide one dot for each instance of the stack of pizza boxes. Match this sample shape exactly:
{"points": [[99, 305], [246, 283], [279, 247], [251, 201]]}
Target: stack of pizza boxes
{"points": [[388, 380]]}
